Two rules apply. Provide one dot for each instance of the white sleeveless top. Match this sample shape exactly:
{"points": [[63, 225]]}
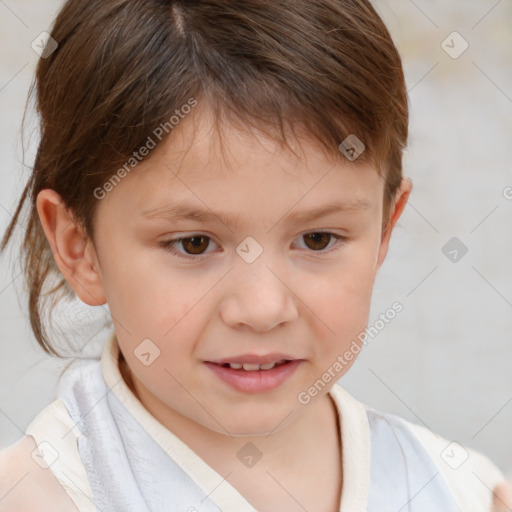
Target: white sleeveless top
{"points": [[110, 454]]}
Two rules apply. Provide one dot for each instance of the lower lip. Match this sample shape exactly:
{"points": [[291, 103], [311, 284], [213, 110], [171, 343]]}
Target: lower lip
{"points": [[257, 381]]}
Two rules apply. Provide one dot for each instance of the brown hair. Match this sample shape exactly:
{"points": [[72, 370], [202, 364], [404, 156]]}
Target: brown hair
{"points": [[123, 67]]}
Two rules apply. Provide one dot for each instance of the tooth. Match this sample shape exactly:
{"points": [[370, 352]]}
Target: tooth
{"points": [[251, 367], [267, 366], [236, 366]]}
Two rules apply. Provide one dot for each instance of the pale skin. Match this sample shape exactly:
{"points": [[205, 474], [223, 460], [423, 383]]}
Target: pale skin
{"points": [[294, 298]]}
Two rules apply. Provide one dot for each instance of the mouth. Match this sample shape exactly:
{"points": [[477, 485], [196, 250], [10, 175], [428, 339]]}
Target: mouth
{"points": [[254, 377], [253, 367]]}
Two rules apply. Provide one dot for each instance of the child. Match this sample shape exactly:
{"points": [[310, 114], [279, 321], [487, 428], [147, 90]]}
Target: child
{"points": [[192, 157]]}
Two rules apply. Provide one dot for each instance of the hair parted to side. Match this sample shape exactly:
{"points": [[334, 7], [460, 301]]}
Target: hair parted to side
{"points": [[123, 67]]}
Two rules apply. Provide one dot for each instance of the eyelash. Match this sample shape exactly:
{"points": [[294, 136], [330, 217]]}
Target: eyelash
{"points": [[168, 245]]}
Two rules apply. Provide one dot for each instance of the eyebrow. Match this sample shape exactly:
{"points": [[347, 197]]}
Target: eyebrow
{"points": [[184, 211]]}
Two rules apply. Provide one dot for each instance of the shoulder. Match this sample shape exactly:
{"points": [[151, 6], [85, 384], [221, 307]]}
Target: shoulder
{"points": [[26, 481], [46, 464], [470, 475]]}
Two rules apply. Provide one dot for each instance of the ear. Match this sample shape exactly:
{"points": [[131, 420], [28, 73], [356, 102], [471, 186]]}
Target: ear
{"points": [[73, 252], [396, 209]]}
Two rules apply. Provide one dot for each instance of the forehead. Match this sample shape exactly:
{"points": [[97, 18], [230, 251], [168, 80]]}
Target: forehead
{"points": [[226, 165], [228, 145]]}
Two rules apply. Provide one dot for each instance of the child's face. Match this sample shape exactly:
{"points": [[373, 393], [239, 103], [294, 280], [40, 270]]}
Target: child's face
{"points": [[306, 296]]}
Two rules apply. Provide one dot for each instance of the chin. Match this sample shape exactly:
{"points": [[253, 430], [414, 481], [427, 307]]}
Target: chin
{"points": [[251, 431], [252, 425]]}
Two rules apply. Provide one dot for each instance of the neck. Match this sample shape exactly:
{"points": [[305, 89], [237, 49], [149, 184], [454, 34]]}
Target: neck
{"points": [[285, 448]]}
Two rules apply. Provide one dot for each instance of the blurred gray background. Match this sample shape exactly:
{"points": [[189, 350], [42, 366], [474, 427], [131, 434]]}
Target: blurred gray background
{"points": [[445, 361]]}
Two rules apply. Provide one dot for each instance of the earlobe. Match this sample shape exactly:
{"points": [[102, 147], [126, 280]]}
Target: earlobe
{"points": [[398, 206], [70, 247]]}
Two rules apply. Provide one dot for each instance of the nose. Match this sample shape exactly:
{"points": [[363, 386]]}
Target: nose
{"points": [[258, 299]]}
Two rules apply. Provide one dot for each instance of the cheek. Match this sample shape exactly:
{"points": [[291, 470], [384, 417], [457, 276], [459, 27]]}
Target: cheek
{"points": [[147, 296], [341, 300]]}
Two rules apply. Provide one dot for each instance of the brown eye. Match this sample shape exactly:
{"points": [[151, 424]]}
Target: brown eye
{"points": [[190, 246], [195, 244], [317, 241]]}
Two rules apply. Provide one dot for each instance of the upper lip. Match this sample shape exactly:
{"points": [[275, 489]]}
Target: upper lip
{"points": [[254, 359]]}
